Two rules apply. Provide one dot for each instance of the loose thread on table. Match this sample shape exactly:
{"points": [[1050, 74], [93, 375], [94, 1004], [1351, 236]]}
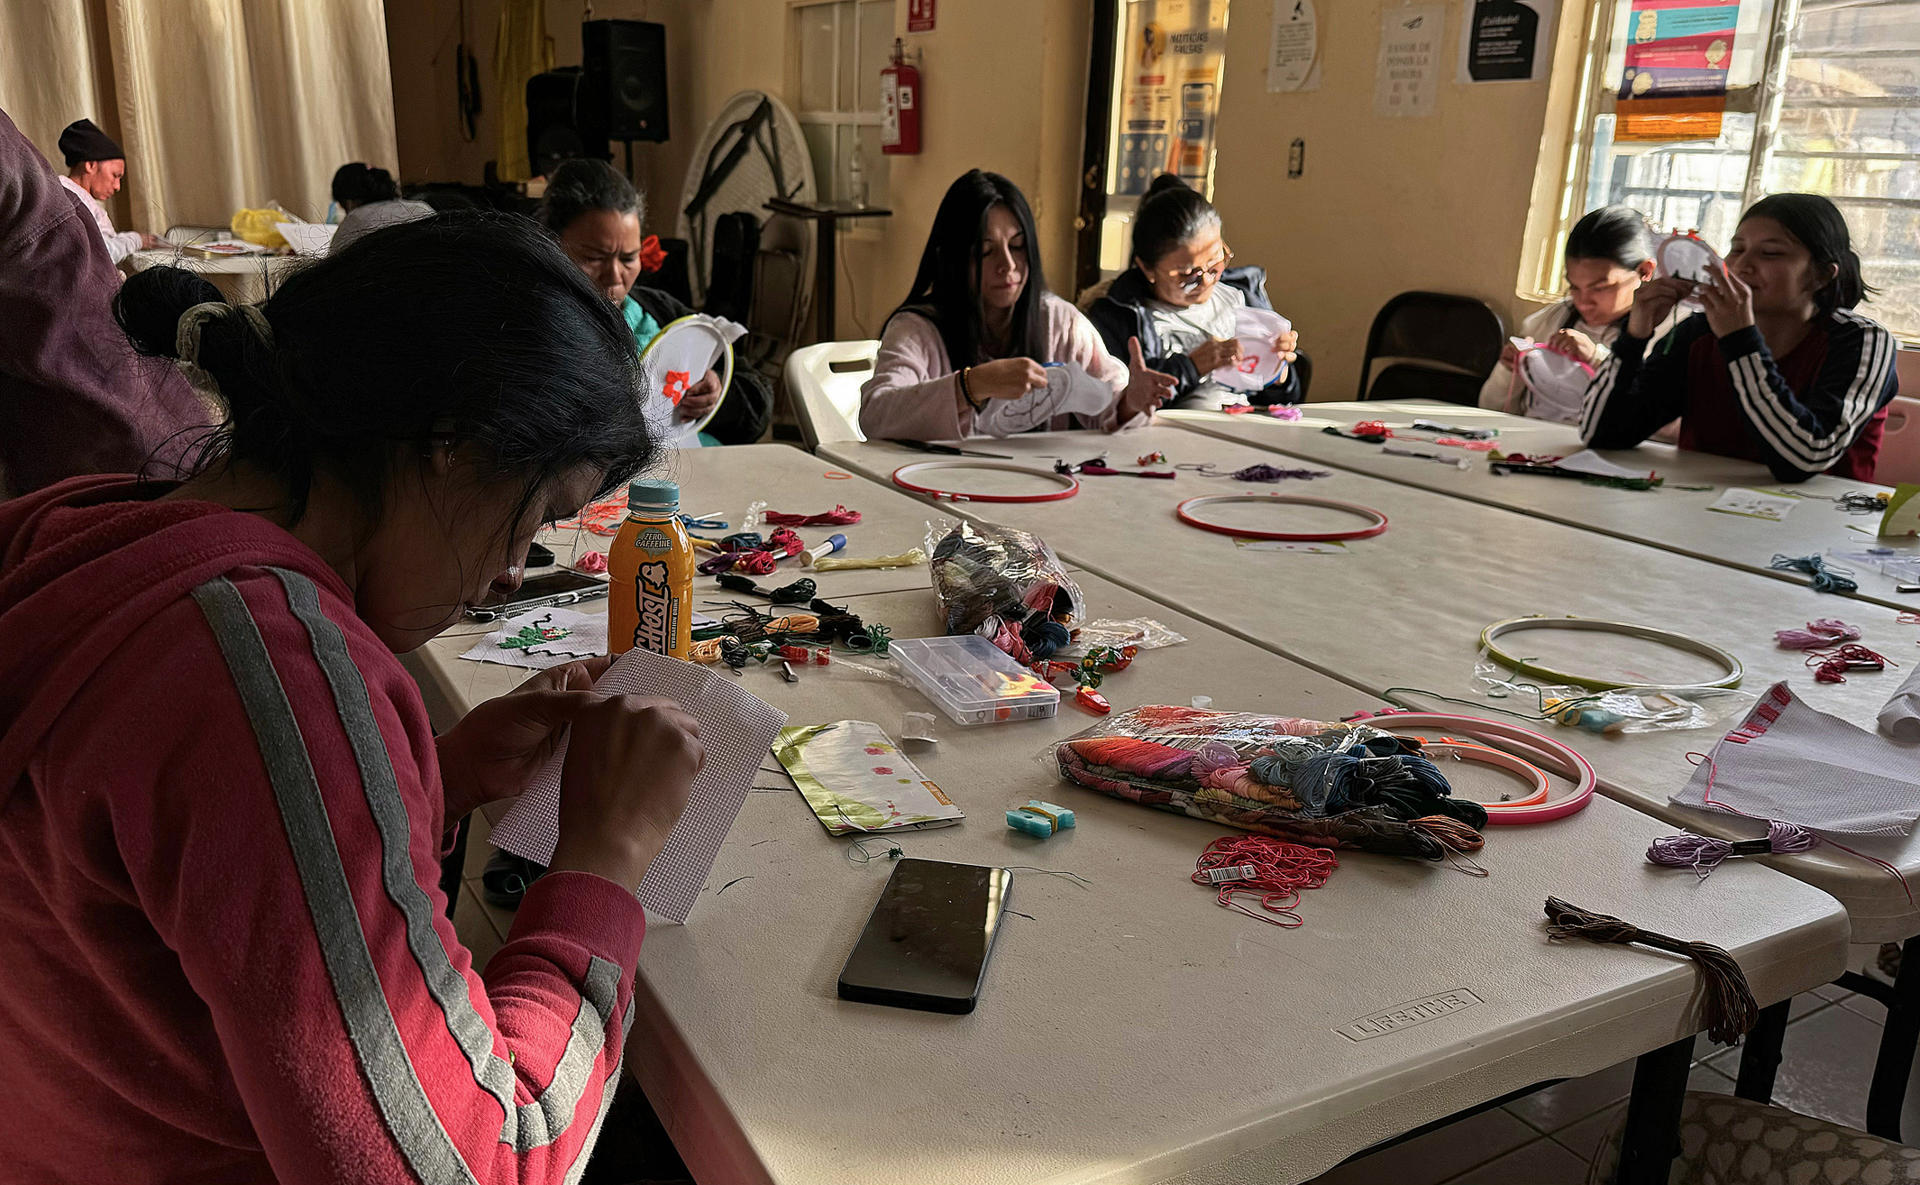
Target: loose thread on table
{"points": [[1256, 473], [839, 516], [1281, 872], [1825, 631], [1728, 1009], [1823, 576], [1831, 666]]}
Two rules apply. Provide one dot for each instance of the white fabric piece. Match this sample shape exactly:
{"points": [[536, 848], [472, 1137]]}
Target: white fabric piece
{"points": [[738, 730], [1069, 390], [1788, 761], [585, 637], [1900, 718], [1594, 465]]}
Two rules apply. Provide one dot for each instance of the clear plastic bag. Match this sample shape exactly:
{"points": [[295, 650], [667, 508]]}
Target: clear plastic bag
{"points": [[1636, 709], [1004, 584], [1143, 633]]}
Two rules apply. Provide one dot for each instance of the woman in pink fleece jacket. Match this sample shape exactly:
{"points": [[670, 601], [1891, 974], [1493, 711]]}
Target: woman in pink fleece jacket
{"points": [[965, 353], [222, 808]]}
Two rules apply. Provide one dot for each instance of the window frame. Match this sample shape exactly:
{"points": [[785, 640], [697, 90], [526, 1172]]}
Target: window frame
{"points": [[845, 113]]}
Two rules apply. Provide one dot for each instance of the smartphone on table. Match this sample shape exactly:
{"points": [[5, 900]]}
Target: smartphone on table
{"points": [[927, 943], [564, 587]]}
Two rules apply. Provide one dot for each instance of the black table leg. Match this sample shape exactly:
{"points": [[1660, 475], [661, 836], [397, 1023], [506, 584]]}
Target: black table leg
{"points": [[824, 274], [1760, 1058], [1891, 1069], [1651, 1138]]}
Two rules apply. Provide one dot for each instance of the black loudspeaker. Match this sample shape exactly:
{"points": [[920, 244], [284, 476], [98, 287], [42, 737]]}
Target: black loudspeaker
{"points": [[623, 81], [554, 130]]}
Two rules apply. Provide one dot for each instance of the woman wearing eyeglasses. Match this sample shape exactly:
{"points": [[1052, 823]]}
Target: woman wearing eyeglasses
{"points": [[971, 352], [1182, 298]]}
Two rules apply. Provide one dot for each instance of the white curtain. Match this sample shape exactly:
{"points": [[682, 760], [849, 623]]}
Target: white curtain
{"points": [[220, 104]]}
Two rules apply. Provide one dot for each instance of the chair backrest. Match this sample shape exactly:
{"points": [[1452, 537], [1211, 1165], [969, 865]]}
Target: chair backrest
{"points": [[1443, 332], [824, 382], [1413, 380]]}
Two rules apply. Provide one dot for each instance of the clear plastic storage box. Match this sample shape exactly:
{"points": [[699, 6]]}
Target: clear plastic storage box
{"points": [[973, 681]]}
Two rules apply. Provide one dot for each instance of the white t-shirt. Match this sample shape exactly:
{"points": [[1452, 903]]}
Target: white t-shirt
{"points": [[1185, 328]]}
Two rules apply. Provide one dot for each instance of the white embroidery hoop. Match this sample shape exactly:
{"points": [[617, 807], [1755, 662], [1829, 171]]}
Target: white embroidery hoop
{"points": [[691, 345]]}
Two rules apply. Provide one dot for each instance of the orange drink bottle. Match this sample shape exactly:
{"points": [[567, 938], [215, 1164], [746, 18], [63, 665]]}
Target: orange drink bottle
{"points": [[650, 568]]}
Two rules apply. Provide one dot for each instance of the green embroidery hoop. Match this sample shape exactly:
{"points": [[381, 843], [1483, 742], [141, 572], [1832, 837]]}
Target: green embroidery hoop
{"points": [[1489, 642]]}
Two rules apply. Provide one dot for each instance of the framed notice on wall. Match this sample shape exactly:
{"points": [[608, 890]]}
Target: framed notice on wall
{"points": [[1293, 53], [1171, 60], [1674, 86], [1407, 76], [919, 16]]}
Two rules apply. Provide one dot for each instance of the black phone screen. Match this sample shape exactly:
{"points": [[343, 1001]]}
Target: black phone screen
{"points": [[927, 943]]}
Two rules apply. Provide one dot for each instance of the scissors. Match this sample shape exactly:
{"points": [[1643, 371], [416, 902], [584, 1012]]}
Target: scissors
{"points": [[948, 450]]}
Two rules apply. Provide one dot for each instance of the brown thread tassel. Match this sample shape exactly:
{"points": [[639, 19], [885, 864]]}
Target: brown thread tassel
{"points": [[1729, 1009]]}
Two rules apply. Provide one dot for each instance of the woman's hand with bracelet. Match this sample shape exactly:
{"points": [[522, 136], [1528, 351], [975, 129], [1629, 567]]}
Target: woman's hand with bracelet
{"points": [[1005, 378]]}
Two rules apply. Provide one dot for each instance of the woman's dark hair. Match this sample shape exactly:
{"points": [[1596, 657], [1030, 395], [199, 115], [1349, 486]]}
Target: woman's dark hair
{"points": [[361, 184], [1170, 213], [1822, 230], [1618, 234], [583, 185], [354, 366], [946, 286]]}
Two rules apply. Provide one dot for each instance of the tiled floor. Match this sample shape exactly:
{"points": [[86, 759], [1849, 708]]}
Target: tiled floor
{"points": [[1546, 1138]]}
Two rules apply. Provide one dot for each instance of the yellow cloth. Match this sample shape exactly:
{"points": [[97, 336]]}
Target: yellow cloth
{"points": [[521, 50]]}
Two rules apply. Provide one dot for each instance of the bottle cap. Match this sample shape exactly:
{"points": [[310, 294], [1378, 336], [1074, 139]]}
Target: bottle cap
{"points": [[648, 494]]}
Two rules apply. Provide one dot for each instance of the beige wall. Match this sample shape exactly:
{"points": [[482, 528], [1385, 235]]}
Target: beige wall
{"points": [[1385, 205], [1004, 80]]}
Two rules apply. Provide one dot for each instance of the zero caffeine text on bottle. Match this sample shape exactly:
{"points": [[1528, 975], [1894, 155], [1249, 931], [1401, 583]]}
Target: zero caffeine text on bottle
{"points": [[650, 567]]}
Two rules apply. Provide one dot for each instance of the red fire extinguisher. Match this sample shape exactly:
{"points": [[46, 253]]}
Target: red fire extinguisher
{"points": [[900, 105]]}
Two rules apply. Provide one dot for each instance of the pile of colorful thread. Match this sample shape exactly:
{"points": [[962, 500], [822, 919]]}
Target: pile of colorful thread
{"points": [[1275, 871]]}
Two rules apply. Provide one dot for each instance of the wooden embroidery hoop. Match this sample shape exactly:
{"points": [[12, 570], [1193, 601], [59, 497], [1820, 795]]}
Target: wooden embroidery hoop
{"points": [[1520, 666]]}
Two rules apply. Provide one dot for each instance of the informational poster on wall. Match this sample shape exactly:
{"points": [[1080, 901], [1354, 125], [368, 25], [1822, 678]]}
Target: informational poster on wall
{"points": [[1171, 62], [1293, 53], [1407, 77], [1674, 86], [1507, 40], [920, 16]]}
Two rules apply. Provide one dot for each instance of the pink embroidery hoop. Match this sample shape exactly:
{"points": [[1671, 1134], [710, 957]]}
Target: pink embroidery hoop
{"points": [[900, 475], [1185, 510], [1542, 751]]}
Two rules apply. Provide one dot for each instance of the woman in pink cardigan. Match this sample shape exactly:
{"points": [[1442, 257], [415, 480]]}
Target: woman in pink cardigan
{"points": [[980, 298]]}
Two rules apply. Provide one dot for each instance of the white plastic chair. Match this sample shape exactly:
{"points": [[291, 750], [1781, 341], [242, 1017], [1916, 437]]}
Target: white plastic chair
{"points": [[824, 382], [1899, 458]]}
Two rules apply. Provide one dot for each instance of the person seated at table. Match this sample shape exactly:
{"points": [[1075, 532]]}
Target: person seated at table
{"points": [[74, 398], [1181, 297], [1609, 255], [977, 327], [95, 168], [224, 801], [1778, 368], [369, 200], [596, 213]]}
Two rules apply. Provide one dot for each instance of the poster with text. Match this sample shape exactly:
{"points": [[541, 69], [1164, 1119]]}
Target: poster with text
{"points": [[1170, 67], [1407, 77], [1293, 52], [1674, 86], [1507, 40]]}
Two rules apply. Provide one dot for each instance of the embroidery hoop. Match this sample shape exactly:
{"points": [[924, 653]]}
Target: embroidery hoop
{"points": [[1184, 512], [900, 475], [1686, 255], [684, 334], [1645, 633], [1499, 759], [1542, 751]]}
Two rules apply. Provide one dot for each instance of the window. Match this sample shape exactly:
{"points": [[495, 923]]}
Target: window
{"points": [[841, 47], [1823, 96]]}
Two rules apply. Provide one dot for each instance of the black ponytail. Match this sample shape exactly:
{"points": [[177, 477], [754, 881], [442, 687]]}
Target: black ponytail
{"points": [[1820, 227], [1618, 234], [358, 361]]}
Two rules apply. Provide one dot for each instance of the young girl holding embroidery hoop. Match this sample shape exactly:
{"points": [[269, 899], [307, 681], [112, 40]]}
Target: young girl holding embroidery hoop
{"points": [[977, 328], [1776, 368]]}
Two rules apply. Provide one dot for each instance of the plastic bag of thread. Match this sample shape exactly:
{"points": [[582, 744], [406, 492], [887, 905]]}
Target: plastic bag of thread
{"points": [[1629, 710], [1327, 785], [1004, 584], [1142, 633]]}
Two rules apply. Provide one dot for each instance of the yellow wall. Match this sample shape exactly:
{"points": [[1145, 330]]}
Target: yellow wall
{"points": [[1385, 205], [1004, 89]]}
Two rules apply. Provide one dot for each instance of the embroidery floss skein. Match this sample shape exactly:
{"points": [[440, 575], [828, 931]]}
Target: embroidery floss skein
{"points": [[1819, 633], [1703, 853], [1824, 577], [1728, 1007], [1274, 869], [839, 516]]}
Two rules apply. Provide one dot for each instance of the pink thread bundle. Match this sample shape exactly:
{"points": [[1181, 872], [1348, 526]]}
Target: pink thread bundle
{"points": [[839, 516], [1281, 871], [1827, 631], [1831, 666]]}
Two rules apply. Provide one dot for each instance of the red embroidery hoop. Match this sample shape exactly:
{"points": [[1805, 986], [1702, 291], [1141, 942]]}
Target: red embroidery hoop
{"points": [[1185, 513], [1543, 752], [900, 479]]}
